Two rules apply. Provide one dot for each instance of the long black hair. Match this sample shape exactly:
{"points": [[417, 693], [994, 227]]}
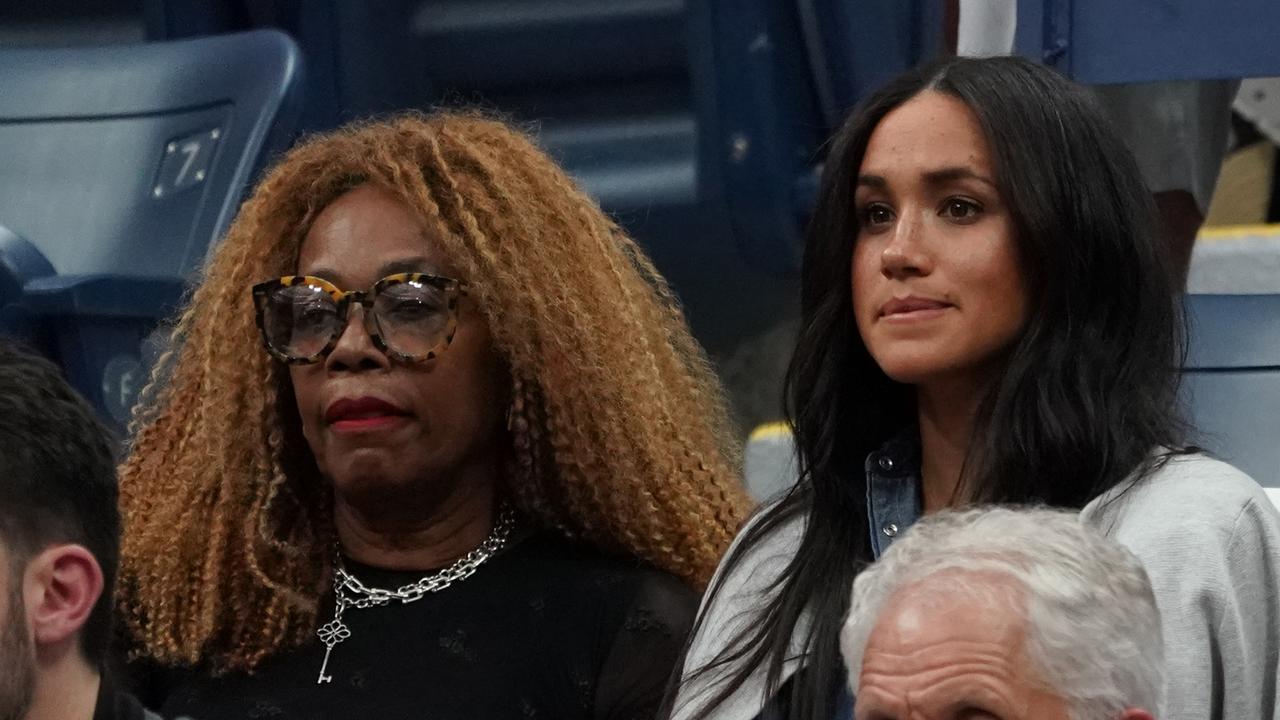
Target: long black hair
{"points": [[1087, 393]]}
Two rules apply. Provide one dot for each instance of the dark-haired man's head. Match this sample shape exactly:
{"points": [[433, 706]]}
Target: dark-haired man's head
{"points": [[59, 535]]}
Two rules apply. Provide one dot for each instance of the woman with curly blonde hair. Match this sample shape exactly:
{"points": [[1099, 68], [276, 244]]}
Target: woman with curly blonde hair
{"points": [[434, 441]]}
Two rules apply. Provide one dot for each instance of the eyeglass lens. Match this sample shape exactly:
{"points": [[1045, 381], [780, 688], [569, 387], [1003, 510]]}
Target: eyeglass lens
{"points": [[301, 320]]}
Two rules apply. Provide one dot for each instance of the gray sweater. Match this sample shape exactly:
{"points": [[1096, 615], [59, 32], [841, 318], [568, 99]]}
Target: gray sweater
{"points": [[1210, 540]]}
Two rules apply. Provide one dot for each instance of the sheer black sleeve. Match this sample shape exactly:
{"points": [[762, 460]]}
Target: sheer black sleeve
{"points": [[646, 649]]}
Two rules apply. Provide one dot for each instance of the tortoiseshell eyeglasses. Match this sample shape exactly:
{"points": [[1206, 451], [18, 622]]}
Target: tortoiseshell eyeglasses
{"points": [[409, 316]]}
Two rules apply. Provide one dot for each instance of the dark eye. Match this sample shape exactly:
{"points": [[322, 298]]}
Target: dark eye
{"points": [[411, 309], [961, 209], [876, 214], [314, 314]]}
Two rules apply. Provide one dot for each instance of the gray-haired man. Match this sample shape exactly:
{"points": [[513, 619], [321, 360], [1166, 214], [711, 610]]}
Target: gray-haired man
{"points": [[1004, 614]]}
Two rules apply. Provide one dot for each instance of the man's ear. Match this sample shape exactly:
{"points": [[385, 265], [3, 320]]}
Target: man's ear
{"points": [[63, 583], [1135, 714]]}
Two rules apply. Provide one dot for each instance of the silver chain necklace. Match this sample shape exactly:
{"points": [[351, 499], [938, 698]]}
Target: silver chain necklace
{"points": [[351, 594]]}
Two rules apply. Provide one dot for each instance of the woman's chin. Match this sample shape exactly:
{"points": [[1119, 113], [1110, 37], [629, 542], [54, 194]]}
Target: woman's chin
{"points": [[912, 372], [369, 472]]}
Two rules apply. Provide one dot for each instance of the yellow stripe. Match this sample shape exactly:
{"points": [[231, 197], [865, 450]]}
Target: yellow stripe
{"points": [[1237, 232], [770, 431]]}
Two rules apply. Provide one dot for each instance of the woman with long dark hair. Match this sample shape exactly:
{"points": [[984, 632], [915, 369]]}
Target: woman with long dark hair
{"points": [[987, 317]]}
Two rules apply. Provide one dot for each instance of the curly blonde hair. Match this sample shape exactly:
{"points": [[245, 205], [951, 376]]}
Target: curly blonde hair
{"points": [[620, 435]]}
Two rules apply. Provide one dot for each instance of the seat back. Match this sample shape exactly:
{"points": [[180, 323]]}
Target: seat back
{"points": [[120, 167], [1231, 380], [769, 461], [20, 264], [760, 124], [1104, 41], [606, 82], [132, 159]]}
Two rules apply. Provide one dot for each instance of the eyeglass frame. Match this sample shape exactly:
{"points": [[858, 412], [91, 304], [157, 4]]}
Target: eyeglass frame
{"points": [[453, 288]]}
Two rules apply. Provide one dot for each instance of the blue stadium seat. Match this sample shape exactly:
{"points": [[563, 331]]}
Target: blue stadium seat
{"points": [[1104, 41], [20, 263], [769, 463], [119, 168], [1231, 381], [605, 82], [760, 123]]}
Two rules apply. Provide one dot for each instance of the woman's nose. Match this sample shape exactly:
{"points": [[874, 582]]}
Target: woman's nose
{"points": [[355, 348], [905, 253]]}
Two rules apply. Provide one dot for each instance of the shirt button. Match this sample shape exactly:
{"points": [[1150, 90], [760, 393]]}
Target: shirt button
{"points": [[889, 529], [886, 463]]}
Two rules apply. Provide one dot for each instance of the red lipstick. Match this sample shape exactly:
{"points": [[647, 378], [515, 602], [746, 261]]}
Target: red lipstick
{"points": [[363, 414]]}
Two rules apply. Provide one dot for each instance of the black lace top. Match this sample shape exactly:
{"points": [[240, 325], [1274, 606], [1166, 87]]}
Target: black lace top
{"points": [[548, 629]]}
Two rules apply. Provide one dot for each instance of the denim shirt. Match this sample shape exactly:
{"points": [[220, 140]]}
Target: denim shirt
{"points": [[893, 505], [893, 490]]}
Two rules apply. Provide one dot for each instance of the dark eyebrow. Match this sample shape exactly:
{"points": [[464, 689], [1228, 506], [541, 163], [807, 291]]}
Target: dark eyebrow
{"points": [[951, 174], [332, 276], [402, 265], [413, 264], [874, 181], [940, 176]]}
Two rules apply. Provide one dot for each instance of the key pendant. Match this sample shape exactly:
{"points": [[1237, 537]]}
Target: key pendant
{"points": [[331, 633]]}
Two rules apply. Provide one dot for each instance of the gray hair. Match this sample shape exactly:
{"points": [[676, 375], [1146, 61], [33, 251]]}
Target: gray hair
{"points": [[1093, 629]]}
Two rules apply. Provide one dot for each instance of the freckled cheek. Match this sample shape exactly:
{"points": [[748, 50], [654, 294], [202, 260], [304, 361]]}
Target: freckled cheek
{"points": [[1006, 293], [863, 278], [991, 276], [1014, 304]]}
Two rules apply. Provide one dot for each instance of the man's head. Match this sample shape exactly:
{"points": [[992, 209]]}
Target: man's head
{"points": [[1000, 614], [59, 527]]}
